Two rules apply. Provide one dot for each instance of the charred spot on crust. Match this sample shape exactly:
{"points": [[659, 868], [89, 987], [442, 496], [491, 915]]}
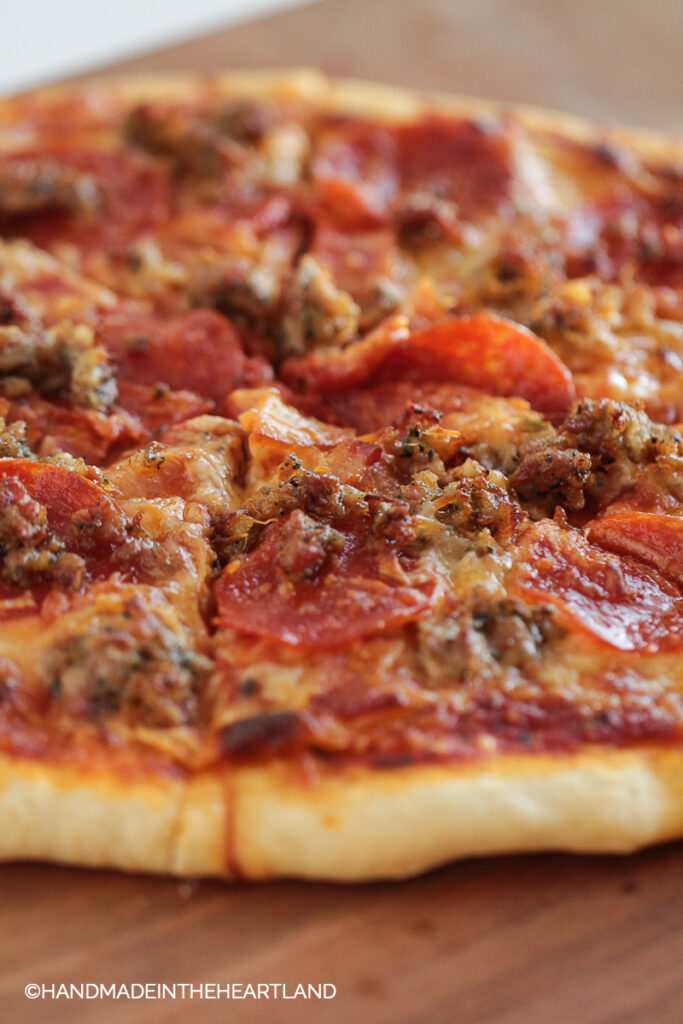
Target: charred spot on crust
{"points": [[269, 733]]}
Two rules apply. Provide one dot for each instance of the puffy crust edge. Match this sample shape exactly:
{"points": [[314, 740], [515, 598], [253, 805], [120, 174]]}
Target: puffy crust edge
{"points": [[352, 96], [357, 824]]}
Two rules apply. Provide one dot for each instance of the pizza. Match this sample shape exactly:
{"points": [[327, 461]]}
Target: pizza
{"points": [[341, 479]]}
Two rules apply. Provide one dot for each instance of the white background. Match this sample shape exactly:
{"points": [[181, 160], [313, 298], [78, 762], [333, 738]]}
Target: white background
{"points": [[44, 39]]}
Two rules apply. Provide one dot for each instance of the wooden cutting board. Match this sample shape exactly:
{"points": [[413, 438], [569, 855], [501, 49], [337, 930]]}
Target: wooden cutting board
{"points": [[516, 940]]}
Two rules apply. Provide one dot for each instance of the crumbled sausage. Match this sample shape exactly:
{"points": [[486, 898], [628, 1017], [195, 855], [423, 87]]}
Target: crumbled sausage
{"points": [[128, 660], [64, 358], [27, 546], [549, 476], [318, 494], [614, 432], [479, 502], [624, 445], [306, 544], [317, 313], [13, 441], [36, 186], [488, 640], [206, 145]]}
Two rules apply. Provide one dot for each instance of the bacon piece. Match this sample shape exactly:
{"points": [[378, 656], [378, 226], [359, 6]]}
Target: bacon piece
{"points": [[654, 539], [481, 351], [198, 351], [617, 600], [347, 598]]}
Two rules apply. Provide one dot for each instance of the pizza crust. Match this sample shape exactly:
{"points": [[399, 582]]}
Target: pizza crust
{"points": [[269, 822], [360, 824], [99, 819], [352, 96]]}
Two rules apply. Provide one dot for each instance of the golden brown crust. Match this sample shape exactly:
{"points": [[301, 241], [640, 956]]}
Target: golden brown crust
{"points": [[352, 96], [358, 824], [350, 826]]}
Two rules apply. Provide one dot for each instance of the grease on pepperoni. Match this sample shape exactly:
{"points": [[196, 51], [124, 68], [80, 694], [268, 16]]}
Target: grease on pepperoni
{"points": [[358, 591], [618, 600], [656, 540], [363, 171], [481, 351]]}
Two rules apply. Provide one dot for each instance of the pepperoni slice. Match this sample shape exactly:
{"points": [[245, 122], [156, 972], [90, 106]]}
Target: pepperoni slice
{"points": [[133, 197], [157, 406], [652, 538], [362, 170], [619, 601], [481, 351], [198, 351], [356, 174], [346, 598], [63, 494], [368, 410], [61, 491], [645, 233], [85, 433]]}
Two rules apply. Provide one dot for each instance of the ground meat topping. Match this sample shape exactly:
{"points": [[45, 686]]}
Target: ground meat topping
{"points": [[477, 503], [13, 441], [306, 544], [318, 314], [484, 641], [27, 546], [63, 359], [625, 446], [37, 186], [129, 660], [551, 476]]}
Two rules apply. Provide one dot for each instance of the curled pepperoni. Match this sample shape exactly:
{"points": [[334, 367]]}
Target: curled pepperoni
{"points": [[480, 351], [62, 492], [656, 540], [198, 351], [616, 599]]}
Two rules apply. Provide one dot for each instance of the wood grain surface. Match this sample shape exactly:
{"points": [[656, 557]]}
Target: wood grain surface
{"points": [[523, 940]]}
